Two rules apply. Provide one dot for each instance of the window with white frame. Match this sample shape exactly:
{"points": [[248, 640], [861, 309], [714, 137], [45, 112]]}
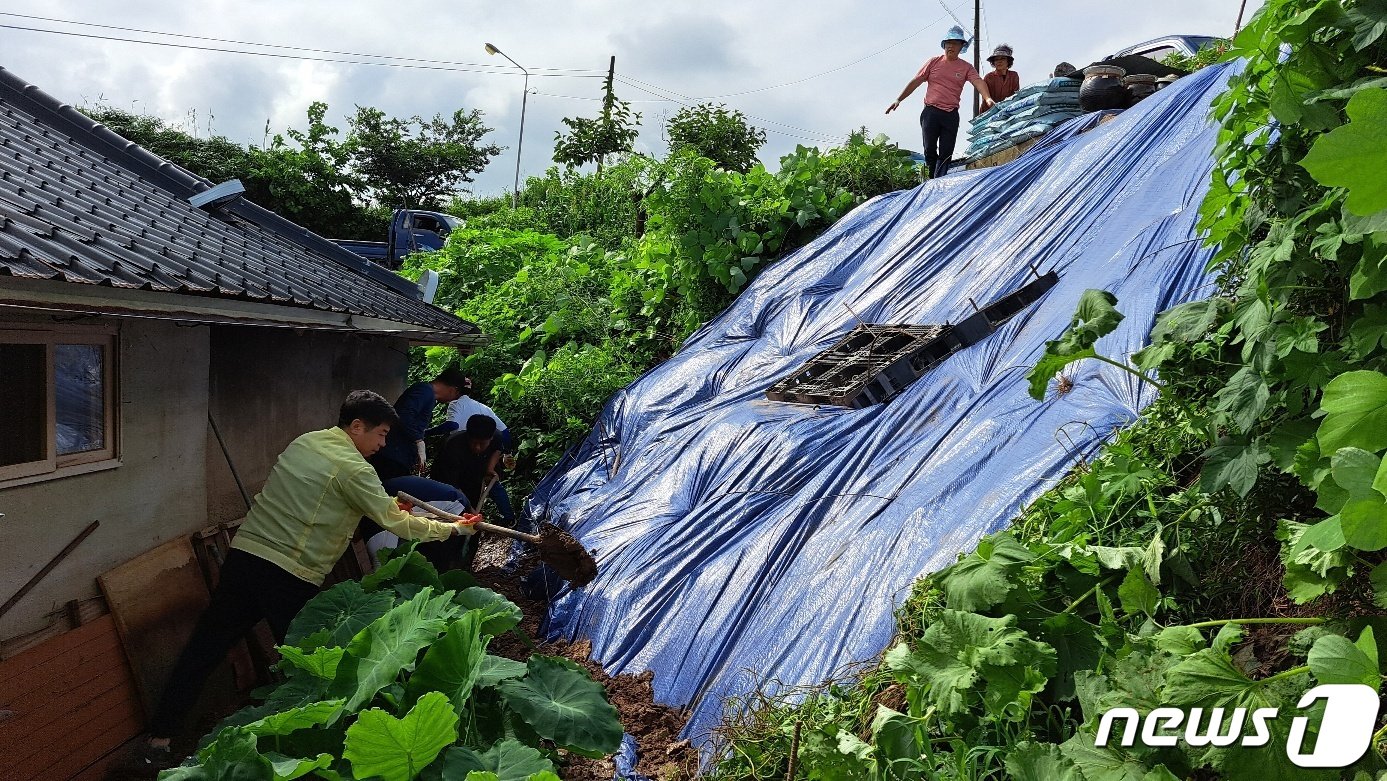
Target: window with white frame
{"points": [[58, 390]]}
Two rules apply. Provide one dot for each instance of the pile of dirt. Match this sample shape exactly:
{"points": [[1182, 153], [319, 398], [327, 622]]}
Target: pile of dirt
{"points": [[662, 755]]}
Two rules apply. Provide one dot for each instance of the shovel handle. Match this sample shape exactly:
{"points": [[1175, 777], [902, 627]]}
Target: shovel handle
{"points": [[480, 525]]}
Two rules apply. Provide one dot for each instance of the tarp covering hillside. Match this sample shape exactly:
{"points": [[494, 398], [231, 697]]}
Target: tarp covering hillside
{"points": [[744, 541]]}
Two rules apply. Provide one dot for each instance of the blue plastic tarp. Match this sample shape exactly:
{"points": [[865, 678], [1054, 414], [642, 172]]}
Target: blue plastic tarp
{"points": [[747, 543]]}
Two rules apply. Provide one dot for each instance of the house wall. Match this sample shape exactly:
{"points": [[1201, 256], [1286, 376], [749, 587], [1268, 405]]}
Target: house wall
{"points": [[268, 386], [157, 493]]}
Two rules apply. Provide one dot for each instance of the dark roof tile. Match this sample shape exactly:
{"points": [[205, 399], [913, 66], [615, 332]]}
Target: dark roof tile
{"points": [[78, 202]]}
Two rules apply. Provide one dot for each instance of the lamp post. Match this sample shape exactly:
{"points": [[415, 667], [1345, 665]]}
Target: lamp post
{"points": [[519, 144]]}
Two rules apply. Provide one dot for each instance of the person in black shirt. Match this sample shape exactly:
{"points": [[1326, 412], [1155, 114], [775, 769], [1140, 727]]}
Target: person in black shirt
{"points": [[468, 460]]}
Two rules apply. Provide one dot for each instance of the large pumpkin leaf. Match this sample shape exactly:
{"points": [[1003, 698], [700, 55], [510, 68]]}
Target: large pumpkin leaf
{"points": [[1355, 155], [389, 645], [565, 706], [1355, 406], [1336, 659], [380, 745], [452, 663], [342, 610], [963, 655], [986, 576], [1096, 316], [498, 613], [508, 760]]}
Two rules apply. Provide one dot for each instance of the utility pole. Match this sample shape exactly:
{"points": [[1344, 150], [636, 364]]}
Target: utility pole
{"points": [[977, 50], [608, 98]]}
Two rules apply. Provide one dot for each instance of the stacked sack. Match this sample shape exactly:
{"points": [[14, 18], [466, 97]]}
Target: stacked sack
{"points": [[1031, 112]]}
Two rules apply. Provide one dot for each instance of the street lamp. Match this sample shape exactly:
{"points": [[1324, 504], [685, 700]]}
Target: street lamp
{"points": [[524, 96]]}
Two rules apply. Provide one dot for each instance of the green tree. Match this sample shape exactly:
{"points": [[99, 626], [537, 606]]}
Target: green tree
{"points": [[215, 158], [306, 179], [717, 133], [592, 140], [416, 162]]}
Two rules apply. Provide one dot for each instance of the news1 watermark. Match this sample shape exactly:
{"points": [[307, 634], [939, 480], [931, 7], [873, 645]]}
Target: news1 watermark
{"points": [[1344, 733]]}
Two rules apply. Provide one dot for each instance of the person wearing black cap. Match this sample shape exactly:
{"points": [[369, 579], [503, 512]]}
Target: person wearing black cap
{"points": [[468, 461], [403, 453], [1002, 82]]}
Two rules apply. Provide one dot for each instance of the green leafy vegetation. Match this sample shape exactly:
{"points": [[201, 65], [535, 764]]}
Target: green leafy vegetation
{"points": [[721, 135], [1225, 552], [596, 278], [391, 679]]}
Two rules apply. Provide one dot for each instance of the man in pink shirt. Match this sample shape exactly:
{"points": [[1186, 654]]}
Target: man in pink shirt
{"points": [[946, 75]]}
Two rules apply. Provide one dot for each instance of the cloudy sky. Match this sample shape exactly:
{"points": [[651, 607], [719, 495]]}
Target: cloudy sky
{"points": [[806, 72]]}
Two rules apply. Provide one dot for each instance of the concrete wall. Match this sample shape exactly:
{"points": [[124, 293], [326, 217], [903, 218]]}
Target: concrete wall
{"points": [[269, 385], [157, 493]]}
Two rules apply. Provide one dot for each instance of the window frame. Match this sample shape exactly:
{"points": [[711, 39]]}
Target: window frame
{"points": [[53, 465]]}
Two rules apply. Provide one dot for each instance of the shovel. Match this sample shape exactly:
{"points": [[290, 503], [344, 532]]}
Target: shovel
{"points": [[557, 548]]}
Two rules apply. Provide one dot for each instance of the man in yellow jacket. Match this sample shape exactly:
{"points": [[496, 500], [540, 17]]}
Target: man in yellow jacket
{"points": [[297, 528]]}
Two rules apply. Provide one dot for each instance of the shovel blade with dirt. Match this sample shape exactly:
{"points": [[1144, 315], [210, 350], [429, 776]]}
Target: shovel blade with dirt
{"points": [[557, 548]]}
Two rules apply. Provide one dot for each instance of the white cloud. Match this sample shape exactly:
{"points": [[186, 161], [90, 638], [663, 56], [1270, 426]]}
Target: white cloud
{"points": [[714, 47]]}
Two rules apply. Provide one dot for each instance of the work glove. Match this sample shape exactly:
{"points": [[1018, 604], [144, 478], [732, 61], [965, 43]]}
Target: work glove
{"points": [[467, 526]]}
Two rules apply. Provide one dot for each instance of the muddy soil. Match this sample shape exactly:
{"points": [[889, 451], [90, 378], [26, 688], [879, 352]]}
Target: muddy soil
{"points": [[662, 755]]}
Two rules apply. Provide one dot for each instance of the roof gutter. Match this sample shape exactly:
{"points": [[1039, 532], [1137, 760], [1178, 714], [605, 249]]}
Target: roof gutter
{"points": [[116, 302]]}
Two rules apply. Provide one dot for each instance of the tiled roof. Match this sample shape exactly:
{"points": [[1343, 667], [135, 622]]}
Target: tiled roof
{"points": [[80, 204]]}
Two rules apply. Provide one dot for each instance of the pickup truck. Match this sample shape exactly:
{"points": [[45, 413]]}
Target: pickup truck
{"points": [[410, 230]]}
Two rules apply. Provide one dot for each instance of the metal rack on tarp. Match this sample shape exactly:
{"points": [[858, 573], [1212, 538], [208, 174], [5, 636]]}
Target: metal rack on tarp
{"points": [[876, 361]]}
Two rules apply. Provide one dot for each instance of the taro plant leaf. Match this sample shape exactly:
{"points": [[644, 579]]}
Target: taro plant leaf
{"points": [[509, 760], [390, 645], [495, 669], [380, 745], [986, 576], [565, 706], [231, 757], [1030, 761], [290, 768], [452, 663], [961, 651], [342, 610], [1355, 406], [321, 663], [293, 719], [1096, 316], [498, 613], [1335, 659], [1355, 154], [408, 568]]}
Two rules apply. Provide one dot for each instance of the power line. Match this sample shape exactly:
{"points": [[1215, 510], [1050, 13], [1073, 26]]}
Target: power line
{"points": [[666, 93], [279, 46], [275, 55], [825, 73]]}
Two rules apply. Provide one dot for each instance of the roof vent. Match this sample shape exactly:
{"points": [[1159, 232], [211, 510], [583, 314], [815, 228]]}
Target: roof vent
{"points": [[223, 193], [428, 285]]}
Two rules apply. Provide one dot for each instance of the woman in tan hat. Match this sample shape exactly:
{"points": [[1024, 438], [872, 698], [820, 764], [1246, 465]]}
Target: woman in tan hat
{"points": [[1002, 82]]}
